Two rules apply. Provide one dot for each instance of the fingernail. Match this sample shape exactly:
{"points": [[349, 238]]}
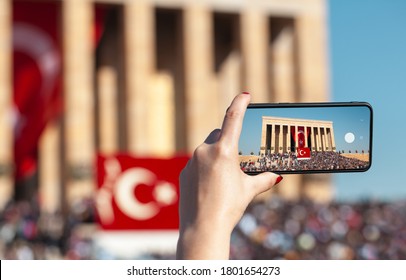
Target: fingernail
{"points": [[244, 92], [278, 180]]}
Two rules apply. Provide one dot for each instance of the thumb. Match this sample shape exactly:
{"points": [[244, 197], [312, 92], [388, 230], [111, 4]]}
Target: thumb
{"points": [[264, 182]]}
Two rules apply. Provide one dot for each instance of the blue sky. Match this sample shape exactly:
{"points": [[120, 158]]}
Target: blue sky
{"points": [[368, 62], [354, 119]]}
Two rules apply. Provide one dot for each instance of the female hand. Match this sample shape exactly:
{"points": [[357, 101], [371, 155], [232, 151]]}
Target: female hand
{"points": [[214, 192]]}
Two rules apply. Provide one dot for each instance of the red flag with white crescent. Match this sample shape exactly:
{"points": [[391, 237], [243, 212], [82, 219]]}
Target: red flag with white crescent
{"points": [[301, 137], [303, 152], [37, 74], [36, 77], [138, 193]]}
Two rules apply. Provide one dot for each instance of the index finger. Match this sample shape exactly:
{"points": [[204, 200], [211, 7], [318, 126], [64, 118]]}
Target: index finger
{"points": [[232, 124]]}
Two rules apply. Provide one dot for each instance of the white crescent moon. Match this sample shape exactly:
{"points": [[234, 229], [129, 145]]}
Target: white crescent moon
{"points": [[124, 194], [301, 152]]}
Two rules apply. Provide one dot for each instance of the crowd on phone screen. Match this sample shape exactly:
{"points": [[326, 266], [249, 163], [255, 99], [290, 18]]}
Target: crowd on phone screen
{"points": [[289, 161], [274, 229]]}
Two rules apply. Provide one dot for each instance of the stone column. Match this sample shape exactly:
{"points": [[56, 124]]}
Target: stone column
{"points": [[6, 101], [323, 146], [312, 138], [323, 139], [283, 67], [161, 116], [333, 142], [78, 93], [255, 41], [312, 52], [50, 173], [228, 80], [288, 139], [284, 137], [200, 96], [328, 136], [280, 139], [108, 117], [273, 139], [319, 144], [139, 33], [263, 137]]}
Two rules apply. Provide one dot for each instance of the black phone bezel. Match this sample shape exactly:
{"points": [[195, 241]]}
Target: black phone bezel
{"points": [[318, 104]]}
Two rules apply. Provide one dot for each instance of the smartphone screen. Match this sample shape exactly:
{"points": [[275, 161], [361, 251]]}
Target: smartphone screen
{"points": [[306, 138]]}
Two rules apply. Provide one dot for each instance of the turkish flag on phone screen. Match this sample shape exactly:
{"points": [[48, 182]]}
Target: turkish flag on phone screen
{"points": [[303, 153]]}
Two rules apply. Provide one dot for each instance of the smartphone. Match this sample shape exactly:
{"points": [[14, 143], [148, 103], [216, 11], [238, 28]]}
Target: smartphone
{"points": [[293, 138]]}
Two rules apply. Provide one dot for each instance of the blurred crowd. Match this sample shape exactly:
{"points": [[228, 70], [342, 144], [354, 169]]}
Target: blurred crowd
{"points": [[274, 229], [27, 234], [277, 229], [289, 161]]}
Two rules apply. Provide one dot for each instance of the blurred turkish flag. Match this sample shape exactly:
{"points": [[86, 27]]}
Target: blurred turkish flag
{"points": [[138, 193], [37, 74], [36, 77]]}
